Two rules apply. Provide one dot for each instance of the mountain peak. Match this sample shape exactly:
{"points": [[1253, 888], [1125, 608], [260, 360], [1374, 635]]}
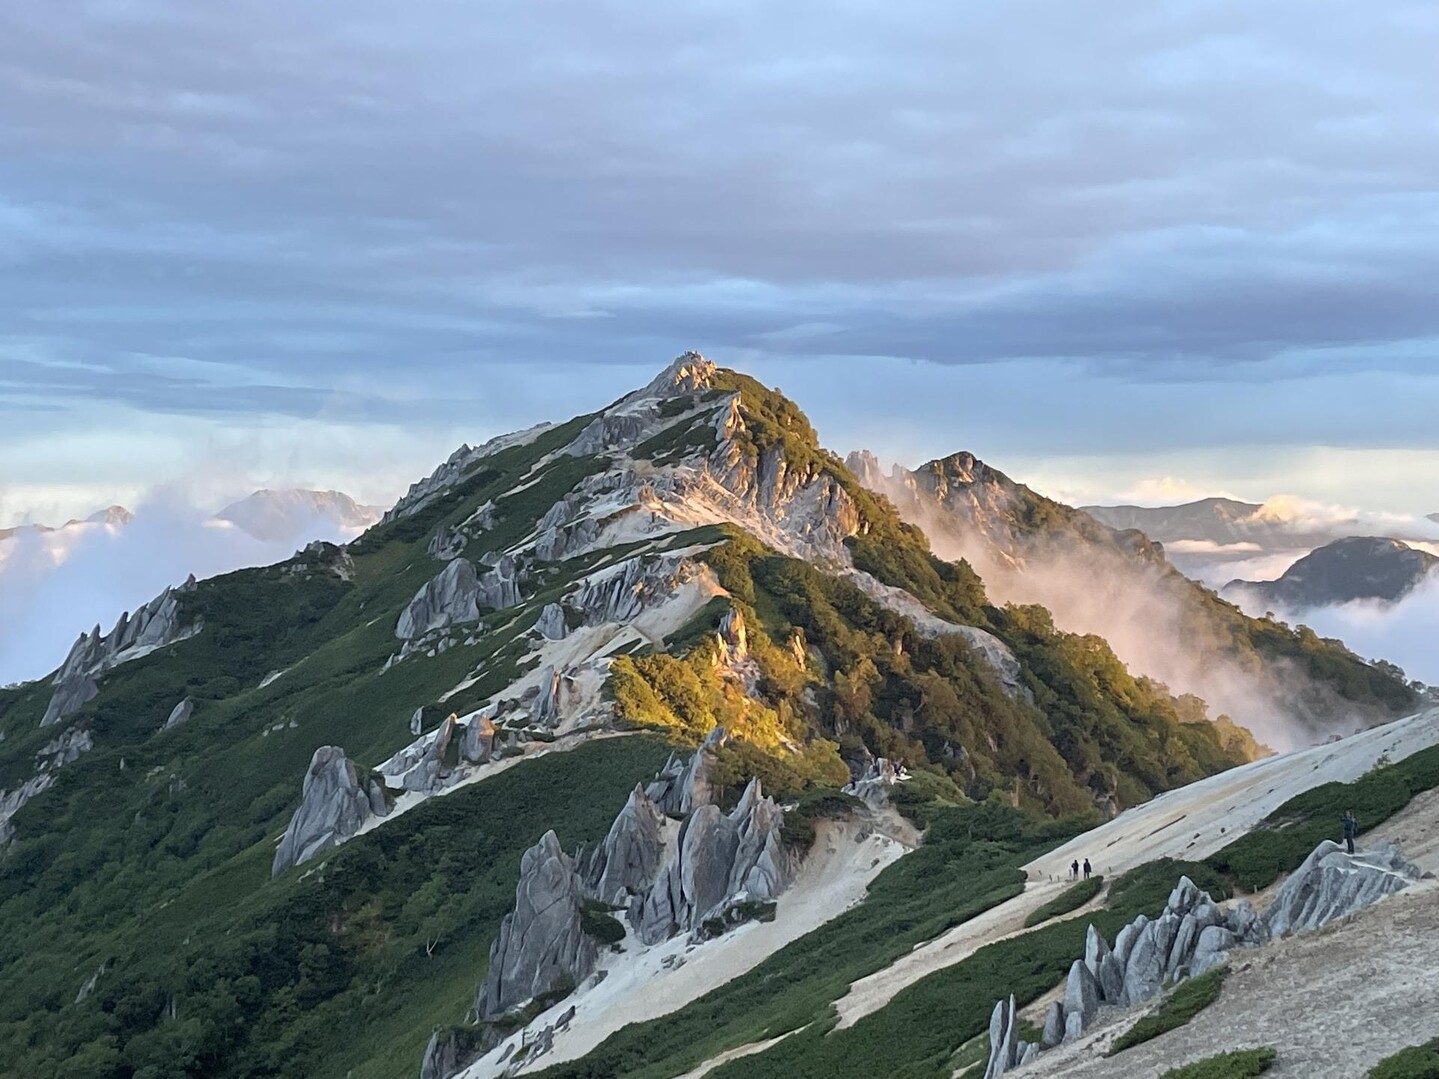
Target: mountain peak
{"points": [[687, 373], [1355, 568]]}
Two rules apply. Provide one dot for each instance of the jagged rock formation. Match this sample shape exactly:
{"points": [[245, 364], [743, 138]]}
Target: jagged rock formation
{"points": [[1334, 884], [1006, 1050], [447, 543], [721, 871], [721, 863], [683, 786], [334, 807], [153, 626], [65, 748], [625, 592], [179, 714], [542, 947], [631, 856]]}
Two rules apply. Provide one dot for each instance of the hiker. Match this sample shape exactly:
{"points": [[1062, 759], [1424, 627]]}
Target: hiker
{"points": [[1074, 870], [1351, 829], [1086, 869]]}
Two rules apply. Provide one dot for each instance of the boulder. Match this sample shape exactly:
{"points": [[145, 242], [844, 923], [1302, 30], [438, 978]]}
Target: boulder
{"points": [[1111, 979], [479, 741], [1209, 950], [333, 807], [1004, 1046], [1334, 884], [1183, 950], [1144, 969], [1124, 942], [499, 586], [442, 1058], [452, 597], [546, 709], [179, 714], [551, 623], [542, 947], [1081, 992], [1244, 922], [1096, 950], [1184, 897], [1053, 1026]]}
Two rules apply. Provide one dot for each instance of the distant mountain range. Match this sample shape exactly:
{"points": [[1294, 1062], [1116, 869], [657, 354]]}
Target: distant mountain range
{"points": [[276, 516], [116, 516], [1218, 520], [1356, 568], [272, 516]]}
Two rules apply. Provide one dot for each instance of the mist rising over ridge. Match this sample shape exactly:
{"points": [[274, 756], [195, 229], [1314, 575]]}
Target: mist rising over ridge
{"points": [[1115, 584]]}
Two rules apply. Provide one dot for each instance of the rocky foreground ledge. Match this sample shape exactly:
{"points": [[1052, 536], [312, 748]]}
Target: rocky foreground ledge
{"points": [[1192, 936]]}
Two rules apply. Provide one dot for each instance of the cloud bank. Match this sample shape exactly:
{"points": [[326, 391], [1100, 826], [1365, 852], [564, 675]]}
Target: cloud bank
{"points": [[54, 586], [387, 215]]}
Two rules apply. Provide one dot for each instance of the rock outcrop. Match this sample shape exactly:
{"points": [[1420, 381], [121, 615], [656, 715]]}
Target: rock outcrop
{"points": [[333, 808], [683, 786], [478, 746], [542, 948], [874, 785], [155, 625], [624, 593], [1334, 884], [500, 586]]}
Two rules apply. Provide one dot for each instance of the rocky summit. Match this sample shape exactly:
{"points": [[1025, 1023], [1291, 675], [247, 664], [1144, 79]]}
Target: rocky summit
{"points": [[627, 743]]}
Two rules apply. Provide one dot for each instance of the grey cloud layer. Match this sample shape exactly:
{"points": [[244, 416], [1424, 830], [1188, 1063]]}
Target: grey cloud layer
{"points": [[291, 201]]}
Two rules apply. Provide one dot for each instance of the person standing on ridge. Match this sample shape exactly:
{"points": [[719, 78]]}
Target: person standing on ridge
{"points": [[1074, 869], [1351, 829], [1086, 869]]}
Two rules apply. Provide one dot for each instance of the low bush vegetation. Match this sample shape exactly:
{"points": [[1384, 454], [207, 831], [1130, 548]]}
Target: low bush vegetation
{"points": [[1066, 901], [1182, 1005], [1240, 1064], [1416, 1062], [1287, 836]]}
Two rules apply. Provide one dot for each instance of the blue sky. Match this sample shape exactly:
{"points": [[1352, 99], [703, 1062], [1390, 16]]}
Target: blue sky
{"points": [[1153, 248]]}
